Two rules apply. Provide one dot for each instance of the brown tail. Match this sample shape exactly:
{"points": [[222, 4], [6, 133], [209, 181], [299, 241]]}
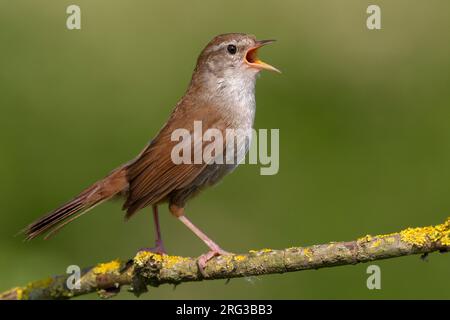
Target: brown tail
{"points": [[99, 192]]}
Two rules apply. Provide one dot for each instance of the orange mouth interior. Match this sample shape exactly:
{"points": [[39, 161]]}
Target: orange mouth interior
{"points": [[252, 56]]}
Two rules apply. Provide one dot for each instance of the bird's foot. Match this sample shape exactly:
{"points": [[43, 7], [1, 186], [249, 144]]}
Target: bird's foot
{"points": [[158, 248], [204, 258]]}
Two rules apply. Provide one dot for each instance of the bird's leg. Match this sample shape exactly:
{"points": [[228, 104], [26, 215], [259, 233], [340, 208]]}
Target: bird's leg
{"points": [[158, 241], [215, 250], [159, 246]]}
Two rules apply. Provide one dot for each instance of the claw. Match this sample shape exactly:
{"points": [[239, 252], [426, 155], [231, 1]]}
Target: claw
{"points": [[204, 258], [215, 249], [158, 248]]}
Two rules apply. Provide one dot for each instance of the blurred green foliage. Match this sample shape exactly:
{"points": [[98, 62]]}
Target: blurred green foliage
{"points": [[363, 118]]}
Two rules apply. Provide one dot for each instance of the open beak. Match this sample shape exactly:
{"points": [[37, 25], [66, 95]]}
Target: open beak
{"points": [[251, 57]]}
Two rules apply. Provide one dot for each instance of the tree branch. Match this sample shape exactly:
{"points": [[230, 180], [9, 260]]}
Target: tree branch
{"points": [[152, 269]]}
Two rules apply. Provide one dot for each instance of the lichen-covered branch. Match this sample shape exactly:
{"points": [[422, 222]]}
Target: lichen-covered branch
{"points": [[148, 269]]}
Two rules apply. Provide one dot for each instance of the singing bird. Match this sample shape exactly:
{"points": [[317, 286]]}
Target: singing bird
{"points": [[221, 95]]}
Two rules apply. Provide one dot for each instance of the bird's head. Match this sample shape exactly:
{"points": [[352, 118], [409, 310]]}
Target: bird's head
{"points": [[233, 55]]}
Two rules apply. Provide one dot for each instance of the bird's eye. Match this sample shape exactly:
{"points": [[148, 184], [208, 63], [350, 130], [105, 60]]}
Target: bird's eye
{"points": [[231, 48]]}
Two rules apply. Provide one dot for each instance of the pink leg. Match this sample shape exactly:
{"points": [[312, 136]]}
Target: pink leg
{"points": [[159, 246], [215, 249]]}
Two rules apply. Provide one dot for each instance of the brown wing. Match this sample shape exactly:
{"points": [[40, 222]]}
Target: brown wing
{"points": [[153, 176]]}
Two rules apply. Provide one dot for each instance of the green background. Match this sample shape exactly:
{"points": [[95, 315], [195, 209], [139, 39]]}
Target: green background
{"points": [[363, 118]]}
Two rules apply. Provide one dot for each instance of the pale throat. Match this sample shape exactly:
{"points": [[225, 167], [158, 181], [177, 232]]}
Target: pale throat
{"points": [[235, 94]]}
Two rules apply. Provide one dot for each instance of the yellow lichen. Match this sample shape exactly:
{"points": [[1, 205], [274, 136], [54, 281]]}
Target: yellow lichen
{"points": [[415, 236], [376, 243], [308, 253], [171, 261], [15, 293], [366, 238], [421, 236], [228, 263], [108, 267], [44, 283], [22, 293], [167, 261], [390, 240], [19, 293], [384, 236], [142, 257], [240, 258], [265, 250]]}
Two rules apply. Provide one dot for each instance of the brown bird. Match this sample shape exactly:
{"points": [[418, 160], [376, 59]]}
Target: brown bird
{"points": [[221, 95]]}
